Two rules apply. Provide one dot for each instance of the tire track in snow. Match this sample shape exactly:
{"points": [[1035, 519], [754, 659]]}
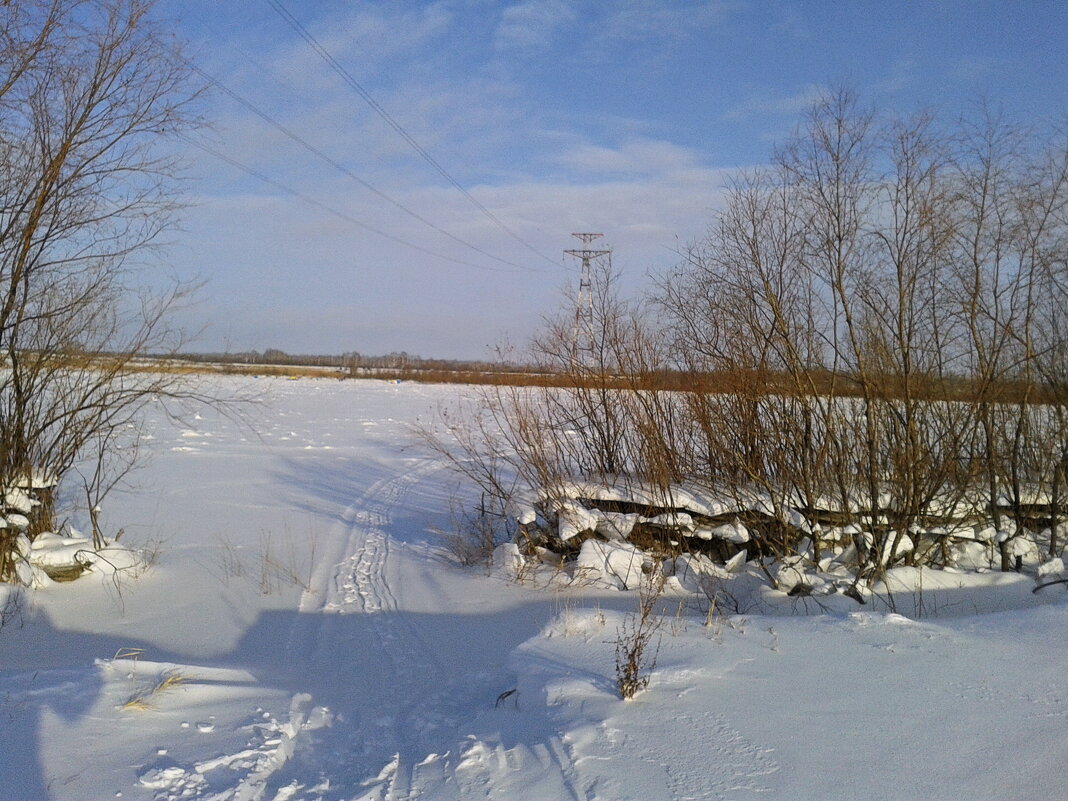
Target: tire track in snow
{"points": [[366, 518], [353, 579], [364, 586], [413, 720], [349, 576]]}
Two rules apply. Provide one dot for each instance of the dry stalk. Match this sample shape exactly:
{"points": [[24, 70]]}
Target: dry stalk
{"points": [[634, 661]]}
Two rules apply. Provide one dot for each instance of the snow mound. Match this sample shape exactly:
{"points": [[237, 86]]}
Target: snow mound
{"points": [[695, 573], [508, 562], [573, 518], [614, 565], [1053, 567], [56, 555]]}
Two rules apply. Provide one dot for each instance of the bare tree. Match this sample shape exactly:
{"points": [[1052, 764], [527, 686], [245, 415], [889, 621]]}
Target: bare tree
{"points": [[846, 293], [869, 342], [90, 93]]}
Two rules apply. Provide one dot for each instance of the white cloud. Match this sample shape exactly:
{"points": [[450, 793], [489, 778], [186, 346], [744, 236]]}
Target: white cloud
{"points": [[368, 36], [463, 118], [634, 157], [771, 103], [307, 259], [639, 19], [531, 25], [265, 249]]}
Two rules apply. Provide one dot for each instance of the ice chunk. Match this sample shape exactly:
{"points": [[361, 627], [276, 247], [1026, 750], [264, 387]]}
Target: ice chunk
{"points": [[617, 525], [1054, 567], [507, 560], [790, 574], [573, 518], [694, 571], [736, 562], [610, 564], [672, 520], [20, 500], [735, 531]]}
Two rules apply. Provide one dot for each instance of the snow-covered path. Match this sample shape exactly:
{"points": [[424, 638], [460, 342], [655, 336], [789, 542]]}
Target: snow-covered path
{"points": [[302, 637], [398, 732], [301, 560]]}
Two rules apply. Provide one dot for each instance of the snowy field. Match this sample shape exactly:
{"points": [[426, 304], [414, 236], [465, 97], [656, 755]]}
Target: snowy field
{"points": [[302, 635]]}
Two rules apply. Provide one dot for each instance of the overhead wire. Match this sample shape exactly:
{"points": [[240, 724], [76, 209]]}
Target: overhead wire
{"points": [[330, 209], [320, 154], [355, 85]]}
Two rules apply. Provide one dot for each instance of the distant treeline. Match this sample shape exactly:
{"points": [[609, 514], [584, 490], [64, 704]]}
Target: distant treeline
{"points": [[408, 367], [347, 361]]}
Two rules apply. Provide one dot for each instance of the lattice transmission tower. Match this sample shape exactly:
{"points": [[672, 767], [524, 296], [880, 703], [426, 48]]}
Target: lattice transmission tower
{"points": [[584, 299]]}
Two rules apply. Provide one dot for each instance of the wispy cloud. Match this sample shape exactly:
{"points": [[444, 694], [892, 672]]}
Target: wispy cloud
{"points": [[367, 38], [774, 103], [402, 57], [791, 24], [638, 19], [632, 158], [901, 76], [531, 25], [310, 258]]}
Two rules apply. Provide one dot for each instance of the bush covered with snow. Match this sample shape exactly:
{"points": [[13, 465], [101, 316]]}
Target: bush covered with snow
{"points": [[613, 535]]}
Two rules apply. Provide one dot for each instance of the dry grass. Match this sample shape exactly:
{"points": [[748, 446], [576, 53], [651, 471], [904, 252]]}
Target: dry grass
{"points": [[287, 564], [471, 537], [142, 701]]}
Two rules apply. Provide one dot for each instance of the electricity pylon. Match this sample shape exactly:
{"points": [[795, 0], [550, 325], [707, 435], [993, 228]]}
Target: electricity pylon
{"points": [[584, 299]]}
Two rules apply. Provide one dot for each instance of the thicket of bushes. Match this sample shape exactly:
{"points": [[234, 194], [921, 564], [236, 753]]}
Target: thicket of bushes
{"points": [[850, 290]]}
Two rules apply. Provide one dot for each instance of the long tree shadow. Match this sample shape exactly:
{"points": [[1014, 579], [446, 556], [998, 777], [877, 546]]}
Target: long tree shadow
{"points": [[401, 685]]}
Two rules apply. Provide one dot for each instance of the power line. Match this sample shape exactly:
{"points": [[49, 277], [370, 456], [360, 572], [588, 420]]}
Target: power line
{"points": [[326, 56], [330, 209], [304, 143]]}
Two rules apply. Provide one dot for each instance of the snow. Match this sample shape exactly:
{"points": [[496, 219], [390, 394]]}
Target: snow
{"points": [[615, 565], [19, 500], [731, 532], [617, 525], [300, 633], [572, 518], [696, 573], [508, 561], [1052, 567], [17, 521]]}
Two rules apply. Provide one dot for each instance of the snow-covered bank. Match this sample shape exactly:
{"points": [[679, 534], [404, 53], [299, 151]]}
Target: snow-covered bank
{"points": [[857, 706], [304, 636]]}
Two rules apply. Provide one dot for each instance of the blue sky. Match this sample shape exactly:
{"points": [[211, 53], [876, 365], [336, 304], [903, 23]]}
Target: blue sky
{"points": [[618, 117]]}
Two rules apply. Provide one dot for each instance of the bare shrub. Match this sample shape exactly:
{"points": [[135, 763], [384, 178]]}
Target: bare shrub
{"points": [[869, 340], [846, 291], [635, 658], [474, 534]]}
